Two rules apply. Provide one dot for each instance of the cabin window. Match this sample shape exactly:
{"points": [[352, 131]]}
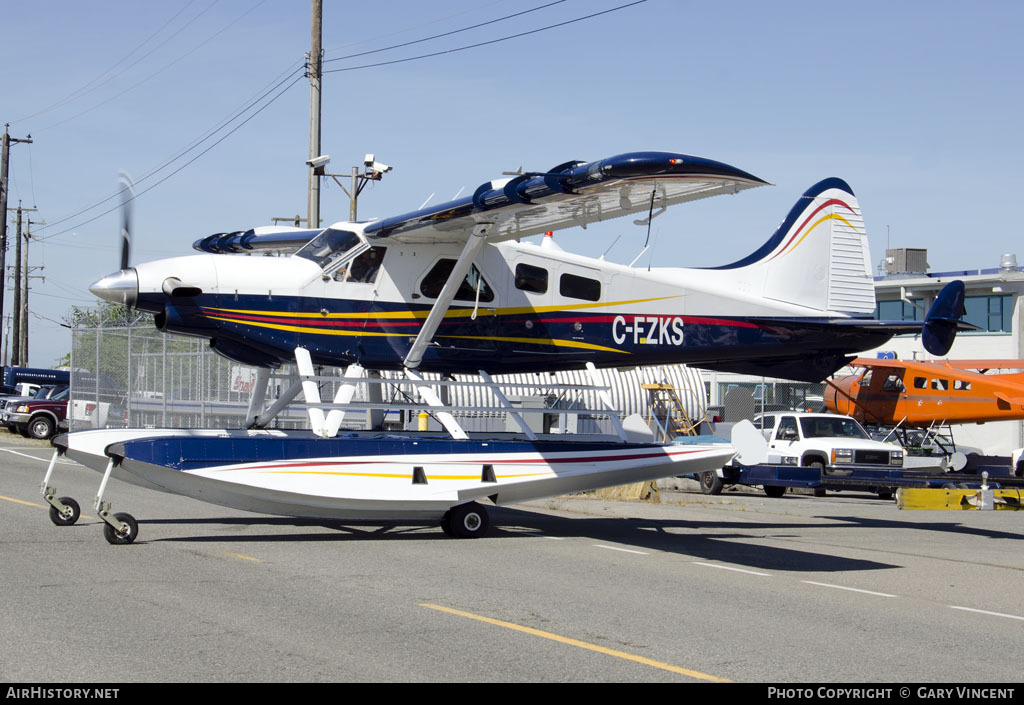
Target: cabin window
{"points": [[892, 383], [329, 247], [474, 282], [961, 385], [765, 423], [364, 268], [574, 287], [530, 278], [920, 382], [940, 384]]}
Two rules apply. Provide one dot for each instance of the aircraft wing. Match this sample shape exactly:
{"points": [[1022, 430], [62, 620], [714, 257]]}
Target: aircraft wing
{"points": [[570, 194], [986, 364]]}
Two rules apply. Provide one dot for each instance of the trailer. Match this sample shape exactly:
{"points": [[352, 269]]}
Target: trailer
{"points": [[777, 479]]}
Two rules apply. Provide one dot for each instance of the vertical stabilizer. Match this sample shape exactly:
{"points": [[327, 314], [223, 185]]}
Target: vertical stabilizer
{"points": [[819, 256]]}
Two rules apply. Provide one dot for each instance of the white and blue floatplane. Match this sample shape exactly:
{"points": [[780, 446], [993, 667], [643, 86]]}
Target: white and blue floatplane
{"points": [[456, 289]]}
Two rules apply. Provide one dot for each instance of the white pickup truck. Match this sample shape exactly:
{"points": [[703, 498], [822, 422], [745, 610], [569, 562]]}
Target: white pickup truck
{"points": [[829, 441]]}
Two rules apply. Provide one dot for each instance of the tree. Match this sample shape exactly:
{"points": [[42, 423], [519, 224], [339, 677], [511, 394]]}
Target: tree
{"points": [[104, 315]]}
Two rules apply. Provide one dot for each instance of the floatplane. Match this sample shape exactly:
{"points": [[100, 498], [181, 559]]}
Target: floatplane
{"points": [[919, 401], [456, 289]]}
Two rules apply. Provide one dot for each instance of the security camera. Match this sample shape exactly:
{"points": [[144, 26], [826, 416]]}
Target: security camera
{"points": [[379, 168], [368, 161], [319, 164]]}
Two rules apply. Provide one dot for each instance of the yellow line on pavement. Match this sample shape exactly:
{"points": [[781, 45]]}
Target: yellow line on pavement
{"points": [[244, 557], [580, 644], [19, 501], [33, 504]]}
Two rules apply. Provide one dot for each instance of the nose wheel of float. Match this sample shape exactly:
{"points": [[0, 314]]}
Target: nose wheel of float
{"points": [[120, 528], [64, 511]]}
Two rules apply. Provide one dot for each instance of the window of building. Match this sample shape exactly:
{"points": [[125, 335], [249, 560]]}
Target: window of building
{"points": [[898, 310], [992, 314], [530, 278], [574, 287], [437, 276]]}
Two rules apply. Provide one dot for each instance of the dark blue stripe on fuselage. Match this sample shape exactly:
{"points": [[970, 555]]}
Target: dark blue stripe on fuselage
{"points": [[503, 343]]}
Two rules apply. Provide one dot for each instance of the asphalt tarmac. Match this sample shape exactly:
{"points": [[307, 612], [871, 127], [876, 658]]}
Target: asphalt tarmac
{"points": [[738, 587]]}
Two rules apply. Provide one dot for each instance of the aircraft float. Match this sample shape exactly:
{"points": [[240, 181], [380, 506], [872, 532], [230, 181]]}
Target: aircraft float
{"points": [[455, 289]]}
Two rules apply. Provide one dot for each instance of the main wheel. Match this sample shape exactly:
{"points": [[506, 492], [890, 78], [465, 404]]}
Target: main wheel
{"points": [[468, 521], [710, 482], [773, 491], [40, 427], [66, 519], [116, 537]]}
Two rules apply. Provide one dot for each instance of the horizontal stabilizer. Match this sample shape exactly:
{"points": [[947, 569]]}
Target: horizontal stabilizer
{"points": [[1008, 401]]}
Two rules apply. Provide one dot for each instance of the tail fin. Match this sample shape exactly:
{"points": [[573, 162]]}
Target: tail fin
{"points": [[819, 256]]}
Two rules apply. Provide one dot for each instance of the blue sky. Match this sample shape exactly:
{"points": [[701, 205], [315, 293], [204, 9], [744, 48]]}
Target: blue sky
{"points": [[916, 104]]}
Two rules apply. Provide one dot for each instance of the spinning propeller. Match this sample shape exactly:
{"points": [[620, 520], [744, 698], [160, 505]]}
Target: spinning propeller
{"points": [[122, 287]]}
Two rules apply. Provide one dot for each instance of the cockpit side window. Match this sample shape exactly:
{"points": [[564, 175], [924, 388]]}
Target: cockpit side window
{"points": [[329, 248], [434, 282]]}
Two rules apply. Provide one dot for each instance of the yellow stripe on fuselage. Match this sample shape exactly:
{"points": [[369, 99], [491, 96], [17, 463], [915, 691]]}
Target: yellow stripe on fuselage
{"points": [[364, 333], [451, 313]]}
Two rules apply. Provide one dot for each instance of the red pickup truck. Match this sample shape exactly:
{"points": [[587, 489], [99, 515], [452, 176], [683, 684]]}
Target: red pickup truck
{"points": [[37, 418]]}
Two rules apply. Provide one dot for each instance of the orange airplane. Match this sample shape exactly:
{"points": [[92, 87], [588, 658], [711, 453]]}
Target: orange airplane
{"points": [[916, 394]]}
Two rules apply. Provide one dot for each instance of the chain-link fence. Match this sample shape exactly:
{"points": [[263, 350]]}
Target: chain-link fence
{"points": [[135, 376]]}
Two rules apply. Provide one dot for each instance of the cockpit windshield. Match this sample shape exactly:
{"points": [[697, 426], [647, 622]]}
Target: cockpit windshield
{"points": [[329, 247]]}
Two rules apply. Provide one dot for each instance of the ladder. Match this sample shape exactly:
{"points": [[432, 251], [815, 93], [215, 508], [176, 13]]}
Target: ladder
{"points": [[668, 414]]}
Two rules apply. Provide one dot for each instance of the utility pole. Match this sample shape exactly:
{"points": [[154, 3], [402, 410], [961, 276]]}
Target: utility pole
{"points": [[19, 314], [5, 157], [16, 312], [26, 275], [315, 74]]}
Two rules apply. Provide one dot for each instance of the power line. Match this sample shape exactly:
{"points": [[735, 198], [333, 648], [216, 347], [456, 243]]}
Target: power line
{"points": [[190, 161], [88, 88], [195, 143], [162, 68], [445, 34], [492, 41], [410, 28]]}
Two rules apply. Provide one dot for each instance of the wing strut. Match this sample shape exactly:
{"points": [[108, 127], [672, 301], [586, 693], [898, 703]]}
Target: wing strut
{"points": [[447, 295]]}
